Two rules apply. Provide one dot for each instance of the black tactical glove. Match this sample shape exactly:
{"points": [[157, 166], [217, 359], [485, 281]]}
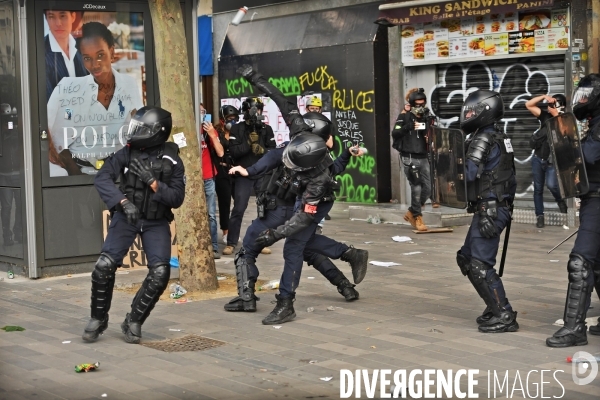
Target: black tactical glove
{"points": [[143, 171], [245, 70], [130, 210], [487, 227], [268, 237]]}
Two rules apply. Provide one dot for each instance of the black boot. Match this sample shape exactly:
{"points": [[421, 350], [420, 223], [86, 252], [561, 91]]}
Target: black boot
{"points": [[283, 311], [506, 322], [346, 289], [237, 304], [573, 333], [595, 330], [103, 281], [144, 301], [131, 330], [540, 221], [357, 259], [562, 206], [485, 316], [94, 328]]}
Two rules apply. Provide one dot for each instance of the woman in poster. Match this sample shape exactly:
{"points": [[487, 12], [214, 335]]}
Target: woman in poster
{"points": [[87, 116]]}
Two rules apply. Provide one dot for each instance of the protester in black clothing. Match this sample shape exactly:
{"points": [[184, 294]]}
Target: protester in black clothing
{"points": [[248, 142], [410, 140], [228, 117], [541, 162]]}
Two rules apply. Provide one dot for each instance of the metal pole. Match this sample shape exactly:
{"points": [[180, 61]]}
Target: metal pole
{"points": [[34, 270]]}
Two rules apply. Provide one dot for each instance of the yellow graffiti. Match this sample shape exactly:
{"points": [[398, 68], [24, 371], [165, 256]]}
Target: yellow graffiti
{"points": [[321, 76], [343, 100]]}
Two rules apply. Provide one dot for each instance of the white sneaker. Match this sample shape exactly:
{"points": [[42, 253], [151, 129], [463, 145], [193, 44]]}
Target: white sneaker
{"points": [[224, 240]]}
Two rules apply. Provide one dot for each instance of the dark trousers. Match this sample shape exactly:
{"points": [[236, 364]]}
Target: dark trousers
{"points": [[587, 243], [243, 190], [543, 173], [155, 233], [223, 187], [485, 250], [306, 240]]}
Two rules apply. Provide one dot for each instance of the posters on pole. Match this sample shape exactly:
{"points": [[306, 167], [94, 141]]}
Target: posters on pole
{"points": [[95, 81]]}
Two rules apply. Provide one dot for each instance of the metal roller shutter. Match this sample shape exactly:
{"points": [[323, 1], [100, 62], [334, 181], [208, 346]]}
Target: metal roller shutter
{"points": [[517, 80]]}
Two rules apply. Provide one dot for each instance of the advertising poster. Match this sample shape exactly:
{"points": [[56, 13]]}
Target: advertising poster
{"points": [[95, 80]]}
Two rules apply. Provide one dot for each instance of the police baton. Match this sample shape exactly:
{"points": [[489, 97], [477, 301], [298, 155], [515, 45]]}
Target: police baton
{"points": [[505, 246], [568, 237]]}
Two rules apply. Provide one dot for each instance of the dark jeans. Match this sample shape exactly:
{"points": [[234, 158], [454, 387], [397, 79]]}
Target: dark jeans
{"points": [[155, 233], [418, 193], [483, 249], [243, 190], [223, 187], [306, 240], [543, 172]]}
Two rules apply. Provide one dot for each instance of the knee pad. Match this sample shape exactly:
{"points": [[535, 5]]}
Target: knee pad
{"points": [[579, 268], [463, 262], [105, 268], [314, 259], [159, 275], [478, 270]]}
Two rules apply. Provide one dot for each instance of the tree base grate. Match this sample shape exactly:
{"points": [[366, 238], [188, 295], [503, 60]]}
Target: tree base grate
{"points": [[186, 343]]}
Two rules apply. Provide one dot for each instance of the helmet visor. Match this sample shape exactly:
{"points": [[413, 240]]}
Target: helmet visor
{"points": [[472, 111], [137, 130], [582, 95]]}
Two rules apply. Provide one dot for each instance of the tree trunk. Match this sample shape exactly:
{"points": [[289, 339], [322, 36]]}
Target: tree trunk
{"points": [[197, 270]]}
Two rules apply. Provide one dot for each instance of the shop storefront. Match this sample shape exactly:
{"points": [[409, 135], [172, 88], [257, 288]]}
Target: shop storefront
{"points": [[58, 59], [518, 48]]}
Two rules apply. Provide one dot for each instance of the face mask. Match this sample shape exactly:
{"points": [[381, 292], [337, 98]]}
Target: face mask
{"points": [[230, 124], [419, 110]]}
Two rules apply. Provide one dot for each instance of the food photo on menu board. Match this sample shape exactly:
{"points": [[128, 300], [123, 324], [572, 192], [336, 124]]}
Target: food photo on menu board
{"points": [[95, 80], [487, 35]]}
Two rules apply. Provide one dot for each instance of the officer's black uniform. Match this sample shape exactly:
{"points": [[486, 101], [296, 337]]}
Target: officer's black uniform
{"points": [[310, 154], [137, 209], [584, 261], [491, 187], [248, 142], [276, 200]]}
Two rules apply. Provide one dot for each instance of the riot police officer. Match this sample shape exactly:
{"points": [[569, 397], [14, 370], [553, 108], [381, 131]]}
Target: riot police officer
{"points": [[248, 142], [275, 203], [584, 261], [491, 187], [309, 160], [152, 182]]}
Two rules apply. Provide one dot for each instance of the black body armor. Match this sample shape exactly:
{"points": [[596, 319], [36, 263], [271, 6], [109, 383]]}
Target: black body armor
{"points": [[498, 179], [140, 194]]}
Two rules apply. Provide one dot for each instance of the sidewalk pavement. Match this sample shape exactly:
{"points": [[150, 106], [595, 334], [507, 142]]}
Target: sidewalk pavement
{"points": [[419, 315]]}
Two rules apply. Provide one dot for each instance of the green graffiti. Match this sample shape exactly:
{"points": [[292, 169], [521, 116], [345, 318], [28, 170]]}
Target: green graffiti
{"points": [[358, 194], [288, 86], [235, 87]]}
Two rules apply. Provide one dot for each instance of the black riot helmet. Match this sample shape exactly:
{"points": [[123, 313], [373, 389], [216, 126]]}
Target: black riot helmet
{"points": [[149, 127], [586, 99], [226, 112], [305, 151], [320, 125], [417, 95], [480, 109]]}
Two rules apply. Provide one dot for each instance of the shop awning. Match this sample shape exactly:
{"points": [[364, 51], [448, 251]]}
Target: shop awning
{"points": [[411, 12], [301, 31]]}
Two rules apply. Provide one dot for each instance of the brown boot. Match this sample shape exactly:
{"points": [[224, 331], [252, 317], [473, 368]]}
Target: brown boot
{"points": [[228, 250], [265, 250], [410, 218], [419, 224]]}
